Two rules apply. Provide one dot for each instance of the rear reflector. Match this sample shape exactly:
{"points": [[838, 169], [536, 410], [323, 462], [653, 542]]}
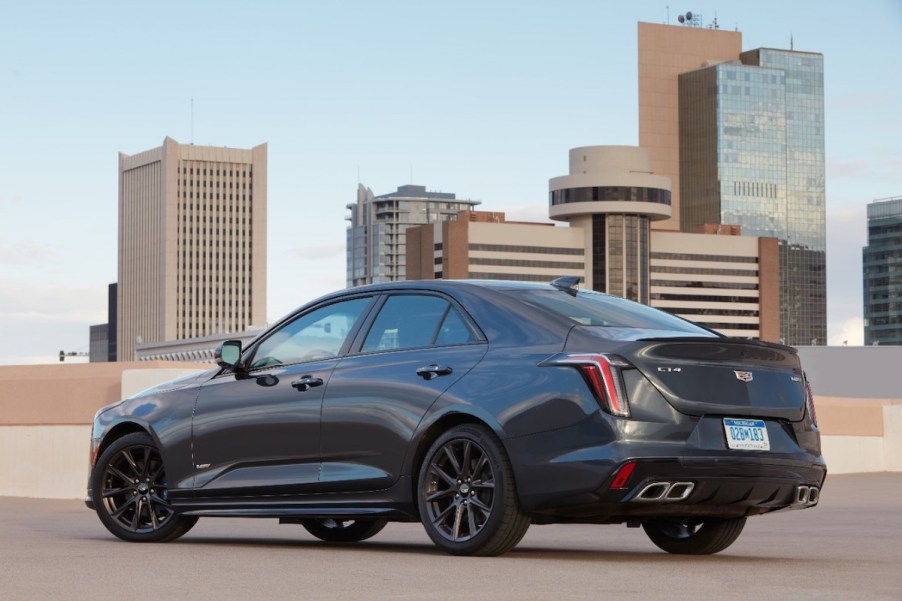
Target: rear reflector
{"points": [[623, 475]]}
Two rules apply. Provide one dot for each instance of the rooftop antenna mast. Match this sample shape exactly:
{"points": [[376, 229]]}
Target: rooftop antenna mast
{"points": [[192, 119]]}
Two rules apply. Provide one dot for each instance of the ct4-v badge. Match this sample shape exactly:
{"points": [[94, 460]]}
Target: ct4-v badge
{"points": [[670, 370], [745, 376]]}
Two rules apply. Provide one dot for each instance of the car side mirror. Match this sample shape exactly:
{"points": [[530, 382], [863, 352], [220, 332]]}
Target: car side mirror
{"points": [[228, 354]]}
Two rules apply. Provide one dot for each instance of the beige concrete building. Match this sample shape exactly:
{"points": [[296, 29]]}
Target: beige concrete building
{"points": [[729, 283], [192, 243], [716, 277], [613, 195], [483, 245], [726, 282], [665, 51]]}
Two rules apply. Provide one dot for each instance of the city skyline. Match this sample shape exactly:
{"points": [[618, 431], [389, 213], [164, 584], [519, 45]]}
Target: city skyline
{"points": [[484, 107]]}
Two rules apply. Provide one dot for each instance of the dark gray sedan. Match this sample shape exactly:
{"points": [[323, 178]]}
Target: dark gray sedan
{"points": [[477, 408]]}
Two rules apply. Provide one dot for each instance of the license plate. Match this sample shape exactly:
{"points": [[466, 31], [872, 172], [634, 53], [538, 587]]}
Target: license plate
{"points": [[746, 434]]}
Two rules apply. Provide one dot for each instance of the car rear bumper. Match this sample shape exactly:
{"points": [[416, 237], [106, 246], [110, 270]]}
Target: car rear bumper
{"points": [[712, 486], [567, 474]]}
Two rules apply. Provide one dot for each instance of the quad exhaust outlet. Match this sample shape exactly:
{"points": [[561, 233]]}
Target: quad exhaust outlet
{"points": [[807, 495], [665, 491]]}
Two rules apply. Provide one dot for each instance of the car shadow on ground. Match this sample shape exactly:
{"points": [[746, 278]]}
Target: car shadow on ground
{"points": [[544, 553]]}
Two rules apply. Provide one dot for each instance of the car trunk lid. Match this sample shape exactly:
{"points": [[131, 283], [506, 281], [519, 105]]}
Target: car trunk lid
{"points": [[722, 376]]}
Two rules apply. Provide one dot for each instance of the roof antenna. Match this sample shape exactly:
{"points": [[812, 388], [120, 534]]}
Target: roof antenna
{"points": [[567, 283], [192, 120], [790, 41]]}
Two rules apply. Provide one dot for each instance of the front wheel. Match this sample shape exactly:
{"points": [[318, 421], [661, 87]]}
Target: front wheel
{"points": [[131, 494], [466, 494], [343, 531], [703, 536]]}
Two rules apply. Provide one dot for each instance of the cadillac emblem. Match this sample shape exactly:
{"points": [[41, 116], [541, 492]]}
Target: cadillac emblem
{"points": [[745, 376]]}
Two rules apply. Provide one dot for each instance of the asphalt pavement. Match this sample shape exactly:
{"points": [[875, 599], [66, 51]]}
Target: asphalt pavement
{"points": [[848, 547]]}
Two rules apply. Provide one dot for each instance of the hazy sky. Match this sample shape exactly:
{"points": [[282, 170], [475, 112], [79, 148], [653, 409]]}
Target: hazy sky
{"points": [[483, 99]]}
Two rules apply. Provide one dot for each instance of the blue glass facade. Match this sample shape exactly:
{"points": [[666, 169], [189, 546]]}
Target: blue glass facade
{"points": [[882, 272], [752, 154]]}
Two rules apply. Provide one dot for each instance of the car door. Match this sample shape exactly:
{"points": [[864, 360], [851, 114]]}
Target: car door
{"points": [[417, 346], [257, 431]]}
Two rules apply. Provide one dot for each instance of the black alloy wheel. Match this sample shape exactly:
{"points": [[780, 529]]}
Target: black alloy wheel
{"points": [[702, 536], [131, 495], [343, 531], [466, 494]]}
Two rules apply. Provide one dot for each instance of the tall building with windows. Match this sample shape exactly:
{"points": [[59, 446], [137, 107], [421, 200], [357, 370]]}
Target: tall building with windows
{"points": [[665, 51], [483, 245], [746, 131], [613, 195], [882, 271], [752, 154], [192, 243], [726, 282], [377, 235]]}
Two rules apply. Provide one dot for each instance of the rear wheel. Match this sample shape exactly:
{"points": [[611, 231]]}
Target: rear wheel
{"points": [[131, 493], [343, 531], [689, 536], [466, 495]]}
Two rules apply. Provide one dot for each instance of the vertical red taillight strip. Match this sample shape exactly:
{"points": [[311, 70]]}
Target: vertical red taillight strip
{"points": [[602, 373]]}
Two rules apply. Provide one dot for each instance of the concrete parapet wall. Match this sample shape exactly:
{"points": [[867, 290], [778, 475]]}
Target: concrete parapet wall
{"points": [[46, 412], [72, 393], [45, 420], [48, 462]]}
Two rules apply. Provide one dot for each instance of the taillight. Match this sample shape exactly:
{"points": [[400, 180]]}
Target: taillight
{"points": [[809, 401], [602, 374]]}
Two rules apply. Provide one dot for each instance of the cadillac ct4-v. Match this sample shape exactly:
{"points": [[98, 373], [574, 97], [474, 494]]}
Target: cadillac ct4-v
{"points": [[477, 408]]}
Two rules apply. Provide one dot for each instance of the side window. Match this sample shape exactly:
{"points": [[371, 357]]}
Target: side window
{"points": [[454, 330], [316, 335], [406, 321]]}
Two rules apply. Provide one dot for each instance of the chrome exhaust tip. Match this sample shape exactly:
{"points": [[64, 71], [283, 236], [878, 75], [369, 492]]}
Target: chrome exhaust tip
{"points": [[679, 491], [814, 494], [654, 491], [665, 491], [807, 495]]}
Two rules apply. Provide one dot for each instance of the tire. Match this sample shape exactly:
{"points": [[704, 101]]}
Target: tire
{"points": [[343, 531], [694, 536], [130, 492], [466, 495]]}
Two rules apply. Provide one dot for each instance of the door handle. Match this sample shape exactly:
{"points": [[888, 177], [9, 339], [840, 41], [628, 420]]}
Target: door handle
{"points": [[305, 383], [433, 371]]}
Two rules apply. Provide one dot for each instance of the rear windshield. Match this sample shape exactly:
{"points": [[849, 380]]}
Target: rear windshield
{"points": [[594, 309]]}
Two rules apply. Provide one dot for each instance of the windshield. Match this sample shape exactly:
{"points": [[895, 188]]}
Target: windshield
{"points": [[595, 309]]}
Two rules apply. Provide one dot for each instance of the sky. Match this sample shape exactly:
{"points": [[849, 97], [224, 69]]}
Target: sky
{"points": [[483, 99]]}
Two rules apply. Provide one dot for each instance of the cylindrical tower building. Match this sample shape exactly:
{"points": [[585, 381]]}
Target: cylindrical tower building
{"points": [[612, 194]]}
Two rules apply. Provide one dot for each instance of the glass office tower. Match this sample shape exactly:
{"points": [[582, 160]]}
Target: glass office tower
{"points": [[882, 271], [752, 154]]}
